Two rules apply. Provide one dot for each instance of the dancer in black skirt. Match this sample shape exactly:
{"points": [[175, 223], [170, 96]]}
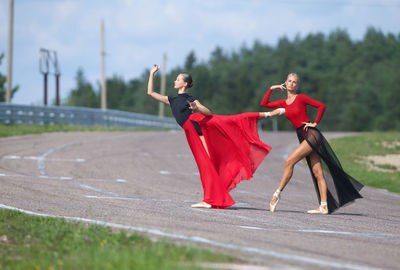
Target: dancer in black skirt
{"points": [[335, 189]]}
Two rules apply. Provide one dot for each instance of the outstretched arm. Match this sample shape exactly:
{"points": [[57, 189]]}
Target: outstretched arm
{"points": [[150, 87], [273, 113]]}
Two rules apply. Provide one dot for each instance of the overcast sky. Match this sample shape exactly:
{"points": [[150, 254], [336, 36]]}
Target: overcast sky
{"points": [[139, 32]]}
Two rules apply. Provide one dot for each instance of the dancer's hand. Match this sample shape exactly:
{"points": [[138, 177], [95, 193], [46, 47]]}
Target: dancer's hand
{"points": [[155, 68], [196, 106], [281, 87], [308, 124], [193, 106]]}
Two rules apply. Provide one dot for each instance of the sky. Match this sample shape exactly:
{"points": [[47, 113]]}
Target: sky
{"points": [[139, 32]]}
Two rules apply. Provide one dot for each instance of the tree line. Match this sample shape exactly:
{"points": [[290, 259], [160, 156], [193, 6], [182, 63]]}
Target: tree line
{"points": [[3, 81], [359, 81]]}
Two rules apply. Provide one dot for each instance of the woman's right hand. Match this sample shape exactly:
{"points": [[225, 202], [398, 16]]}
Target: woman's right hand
{"points": [[281, 87], [155, 68]]}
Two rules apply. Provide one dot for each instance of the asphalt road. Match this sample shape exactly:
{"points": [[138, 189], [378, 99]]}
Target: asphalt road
{"points": [[146, 182]]}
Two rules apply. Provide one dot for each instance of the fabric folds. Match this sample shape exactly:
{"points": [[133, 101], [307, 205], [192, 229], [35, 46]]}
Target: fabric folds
{"points": [[235, 153], [342, 188]]}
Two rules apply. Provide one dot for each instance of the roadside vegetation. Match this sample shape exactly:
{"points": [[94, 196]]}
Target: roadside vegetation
{"points": [[371, 158], [29, 242], [42, 243], [16, 130]]}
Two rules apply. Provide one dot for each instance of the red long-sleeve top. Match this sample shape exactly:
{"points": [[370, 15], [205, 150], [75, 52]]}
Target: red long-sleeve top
{"points": [[296, 111]]}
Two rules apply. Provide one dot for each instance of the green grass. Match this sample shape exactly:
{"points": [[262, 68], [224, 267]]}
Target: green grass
{"points": [[350, 151], [51, 243], [15, 130]]}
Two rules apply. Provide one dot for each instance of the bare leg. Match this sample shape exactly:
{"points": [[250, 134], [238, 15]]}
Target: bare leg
{"points": [[303, 150], [316, 168], [202, 204], [203, 141]]}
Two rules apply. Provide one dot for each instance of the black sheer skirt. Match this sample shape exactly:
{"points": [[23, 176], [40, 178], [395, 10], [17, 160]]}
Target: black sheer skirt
{"points": [[342, 188]]}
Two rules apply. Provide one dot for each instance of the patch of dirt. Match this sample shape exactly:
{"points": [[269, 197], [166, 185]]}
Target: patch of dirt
{"points": [[378, 163], [391, 145]]}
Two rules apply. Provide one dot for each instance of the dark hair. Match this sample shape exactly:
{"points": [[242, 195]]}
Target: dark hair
{"points": [[187, 79]]}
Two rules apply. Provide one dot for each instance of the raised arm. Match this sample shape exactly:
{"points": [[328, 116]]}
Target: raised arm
{"points": [[272, 105], [150, 87]]}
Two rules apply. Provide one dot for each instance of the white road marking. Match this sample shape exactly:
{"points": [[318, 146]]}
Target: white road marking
{"points": [[196, 239], [298, 228], [375, 235], [295, 227], [251, 228], [148, 154], [49, 159], [179, 173], [65, 178], [62, 178], [232, 266], [43, 157], [114, 198], [121, 198]]}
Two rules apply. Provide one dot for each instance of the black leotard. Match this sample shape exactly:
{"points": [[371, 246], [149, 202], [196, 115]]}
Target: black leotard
{"points": [[180, 110]]}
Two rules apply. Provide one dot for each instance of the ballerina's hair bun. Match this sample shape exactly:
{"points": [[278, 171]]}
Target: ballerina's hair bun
{"points": [[188, 79]]}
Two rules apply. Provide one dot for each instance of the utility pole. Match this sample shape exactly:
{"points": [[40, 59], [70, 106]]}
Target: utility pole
{"points": [[10, 50], [44, 69], [45, 57], [103, 71], [163, 82], [57, 74]]}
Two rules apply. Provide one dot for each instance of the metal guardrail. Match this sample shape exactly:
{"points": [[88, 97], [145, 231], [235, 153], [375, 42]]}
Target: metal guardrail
{"points": [[49, 115]]}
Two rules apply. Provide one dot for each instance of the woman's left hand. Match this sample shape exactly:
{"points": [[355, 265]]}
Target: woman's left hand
{"points": [[308, 124], [193, 106]]}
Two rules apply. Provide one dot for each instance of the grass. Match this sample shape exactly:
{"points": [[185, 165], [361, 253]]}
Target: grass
{"points": [[50, 243], [351, 150], [28, 242], [15, 130]]}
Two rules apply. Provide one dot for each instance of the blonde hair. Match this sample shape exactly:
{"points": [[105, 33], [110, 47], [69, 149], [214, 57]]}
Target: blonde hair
{"points": [[295, 75]]}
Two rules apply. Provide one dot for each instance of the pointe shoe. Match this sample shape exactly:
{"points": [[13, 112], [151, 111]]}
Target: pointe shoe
{"points": [[201, 205], [319, 211], [273, 205]]}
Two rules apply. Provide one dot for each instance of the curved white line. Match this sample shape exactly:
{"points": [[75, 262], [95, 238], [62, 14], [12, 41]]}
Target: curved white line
{"points": [[196, 239]]}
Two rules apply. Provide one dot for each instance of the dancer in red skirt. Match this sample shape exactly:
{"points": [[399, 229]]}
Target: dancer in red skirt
{"points": [[227, 149], [336, 188]]}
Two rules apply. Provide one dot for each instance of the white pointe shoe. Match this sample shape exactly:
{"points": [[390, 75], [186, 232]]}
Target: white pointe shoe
{"points": [[277, 195], [201, 205], [319, 211]]}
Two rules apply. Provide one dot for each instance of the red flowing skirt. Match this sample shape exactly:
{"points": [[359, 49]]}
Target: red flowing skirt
{"points": [[235, 153]]}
